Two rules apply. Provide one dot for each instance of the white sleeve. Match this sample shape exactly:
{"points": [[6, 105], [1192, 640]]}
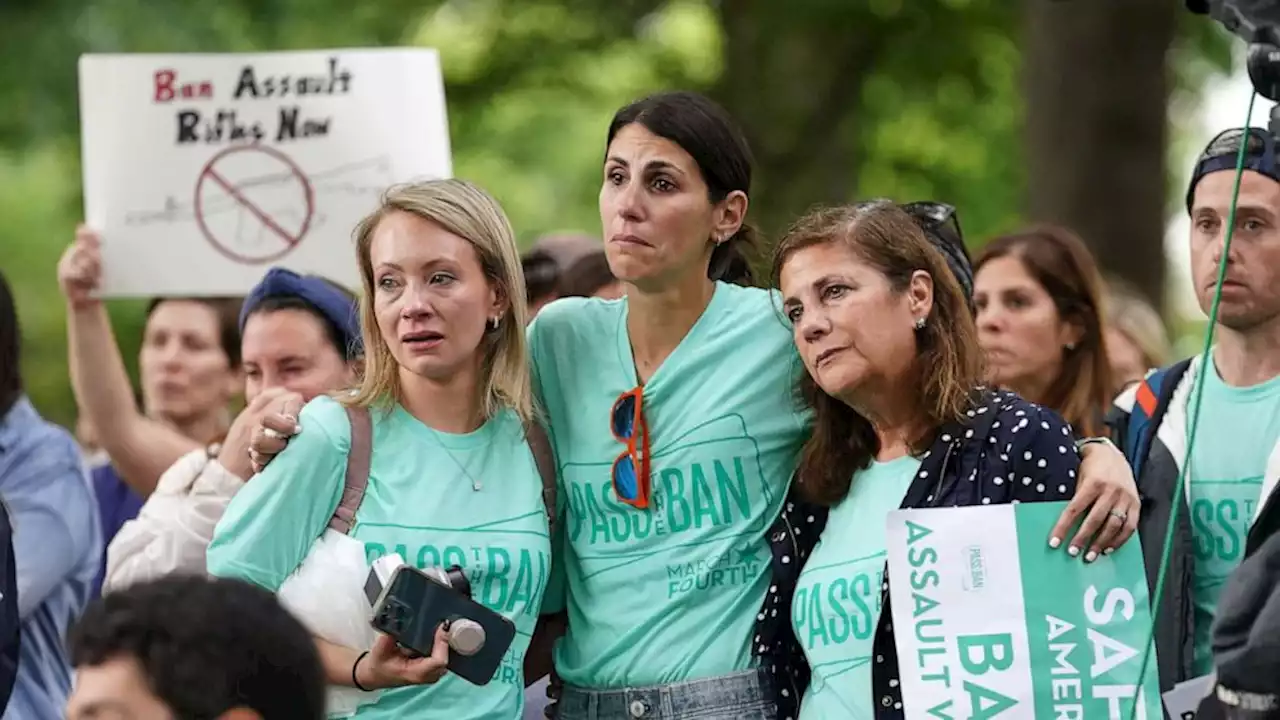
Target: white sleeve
{"points": [[173, 531]]}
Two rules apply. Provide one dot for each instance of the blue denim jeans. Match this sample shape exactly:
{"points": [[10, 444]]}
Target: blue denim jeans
{"points": [[741, 696]]}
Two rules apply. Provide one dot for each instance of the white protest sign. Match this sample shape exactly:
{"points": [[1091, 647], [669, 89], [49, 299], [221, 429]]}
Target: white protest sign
{"points": [[1183, 701], [991, 623], [202, 171]]}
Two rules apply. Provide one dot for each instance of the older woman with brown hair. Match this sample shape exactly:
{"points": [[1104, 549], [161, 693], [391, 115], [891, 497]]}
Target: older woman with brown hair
{"points": [[900, 421]]}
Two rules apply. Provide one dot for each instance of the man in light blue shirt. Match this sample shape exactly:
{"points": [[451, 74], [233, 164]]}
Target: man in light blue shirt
{"points": [[56, 539]]}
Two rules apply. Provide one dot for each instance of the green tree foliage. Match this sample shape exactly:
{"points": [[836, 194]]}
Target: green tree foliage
{"points": [[909, 99]]}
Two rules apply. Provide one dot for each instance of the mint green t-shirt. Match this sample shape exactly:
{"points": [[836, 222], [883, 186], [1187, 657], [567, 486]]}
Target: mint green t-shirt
{"points": [[670, 593], [1236, 434], [420, 503], [837, 601]]}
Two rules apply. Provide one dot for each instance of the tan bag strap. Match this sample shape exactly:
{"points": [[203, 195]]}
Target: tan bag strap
{"points": [[359, 457], [357, 477], [545, 458]]}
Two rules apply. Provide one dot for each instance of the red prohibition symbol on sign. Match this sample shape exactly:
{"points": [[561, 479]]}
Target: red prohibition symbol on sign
{"points": [[283, 221]]}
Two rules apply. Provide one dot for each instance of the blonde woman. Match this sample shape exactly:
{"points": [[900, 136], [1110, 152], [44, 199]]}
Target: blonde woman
{"points": [[452, 480], [1136, 338]]}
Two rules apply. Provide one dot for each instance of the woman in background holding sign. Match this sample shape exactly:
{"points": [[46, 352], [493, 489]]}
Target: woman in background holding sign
{"points": [[189, 366], [893, 379], [451, 480]]}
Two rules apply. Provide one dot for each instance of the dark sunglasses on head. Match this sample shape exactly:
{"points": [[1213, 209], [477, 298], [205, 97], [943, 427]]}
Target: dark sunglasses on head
{"points": [[933, 217], [941, 224], [941, 219]]}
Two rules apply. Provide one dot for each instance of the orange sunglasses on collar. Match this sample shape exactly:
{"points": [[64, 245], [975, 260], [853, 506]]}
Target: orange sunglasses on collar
{"points": [[631, 470]]}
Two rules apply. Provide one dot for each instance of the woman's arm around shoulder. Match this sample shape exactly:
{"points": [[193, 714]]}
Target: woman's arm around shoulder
{"points": [[1036, 443], [272, 522]]}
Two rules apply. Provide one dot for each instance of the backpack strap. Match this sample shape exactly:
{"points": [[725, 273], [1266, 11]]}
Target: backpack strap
{"points": [[545, 458], [1151, 401], [10, 622], [357, 477]]}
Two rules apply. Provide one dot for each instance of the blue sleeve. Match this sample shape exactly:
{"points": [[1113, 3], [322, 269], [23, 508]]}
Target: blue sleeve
{"points": [[1043, 460], [272, 522], [54, 522]]}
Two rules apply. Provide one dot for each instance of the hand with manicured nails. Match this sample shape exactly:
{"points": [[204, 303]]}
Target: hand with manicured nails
{"points": [[1107, 497], [234, 455], [276, 425]]}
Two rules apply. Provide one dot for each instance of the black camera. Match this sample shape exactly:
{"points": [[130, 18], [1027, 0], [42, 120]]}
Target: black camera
{"points": [[1257, 22], [410, 604]]}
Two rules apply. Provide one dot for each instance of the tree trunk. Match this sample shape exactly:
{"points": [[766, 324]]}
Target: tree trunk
{"points": [[793, 79], [1097, 89]]}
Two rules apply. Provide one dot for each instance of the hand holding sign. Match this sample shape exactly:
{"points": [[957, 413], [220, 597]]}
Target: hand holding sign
{"points": [[80, 269], [1107, 498], [989, 622]]}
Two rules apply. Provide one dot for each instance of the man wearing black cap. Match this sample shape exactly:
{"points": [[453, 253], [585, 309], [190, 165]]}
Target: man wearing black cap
{"points": [[1227, 510]]}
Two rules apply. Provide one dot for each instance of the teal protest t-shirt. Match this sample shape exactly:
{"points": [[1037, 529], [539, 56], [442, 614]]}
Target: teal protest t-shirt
{"points": [[421, 503], [669, 593], [837, 599], [1237, 431]]}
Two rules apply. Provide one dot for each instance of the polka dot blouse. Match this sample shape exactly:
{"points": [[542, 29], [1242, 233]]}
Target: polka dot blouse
{"points": [[1006, 450]]}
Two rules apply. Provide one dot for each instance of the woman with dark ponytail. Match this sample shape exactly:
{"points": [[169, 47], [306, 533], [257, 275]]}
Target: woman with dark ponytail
{"points": [[675, 428], [677, 432]]}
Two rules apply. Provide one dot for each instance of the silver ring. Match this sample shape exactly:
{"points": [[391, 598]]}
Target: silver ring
{"points": [[272, 433], [1119, 515]]}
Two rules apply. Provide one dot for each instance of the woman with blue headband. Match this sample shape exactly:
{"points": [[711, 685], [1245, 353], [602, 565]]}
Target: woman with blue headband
{"points": [[299, 336]]}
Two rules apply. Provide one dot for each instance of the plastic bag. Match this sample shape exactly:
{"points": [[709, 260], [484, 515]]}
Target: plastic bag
{"points": [[326, 593]]}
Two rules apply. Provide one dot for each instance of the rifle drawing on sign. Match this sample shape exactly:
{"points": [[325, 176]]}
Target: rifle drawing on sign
{"points": [[254, 204]]}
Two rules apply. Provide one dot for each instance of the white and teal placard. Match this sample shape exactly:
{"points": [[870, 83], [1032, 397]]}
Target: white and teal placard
{"points": [[992, 623]]}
